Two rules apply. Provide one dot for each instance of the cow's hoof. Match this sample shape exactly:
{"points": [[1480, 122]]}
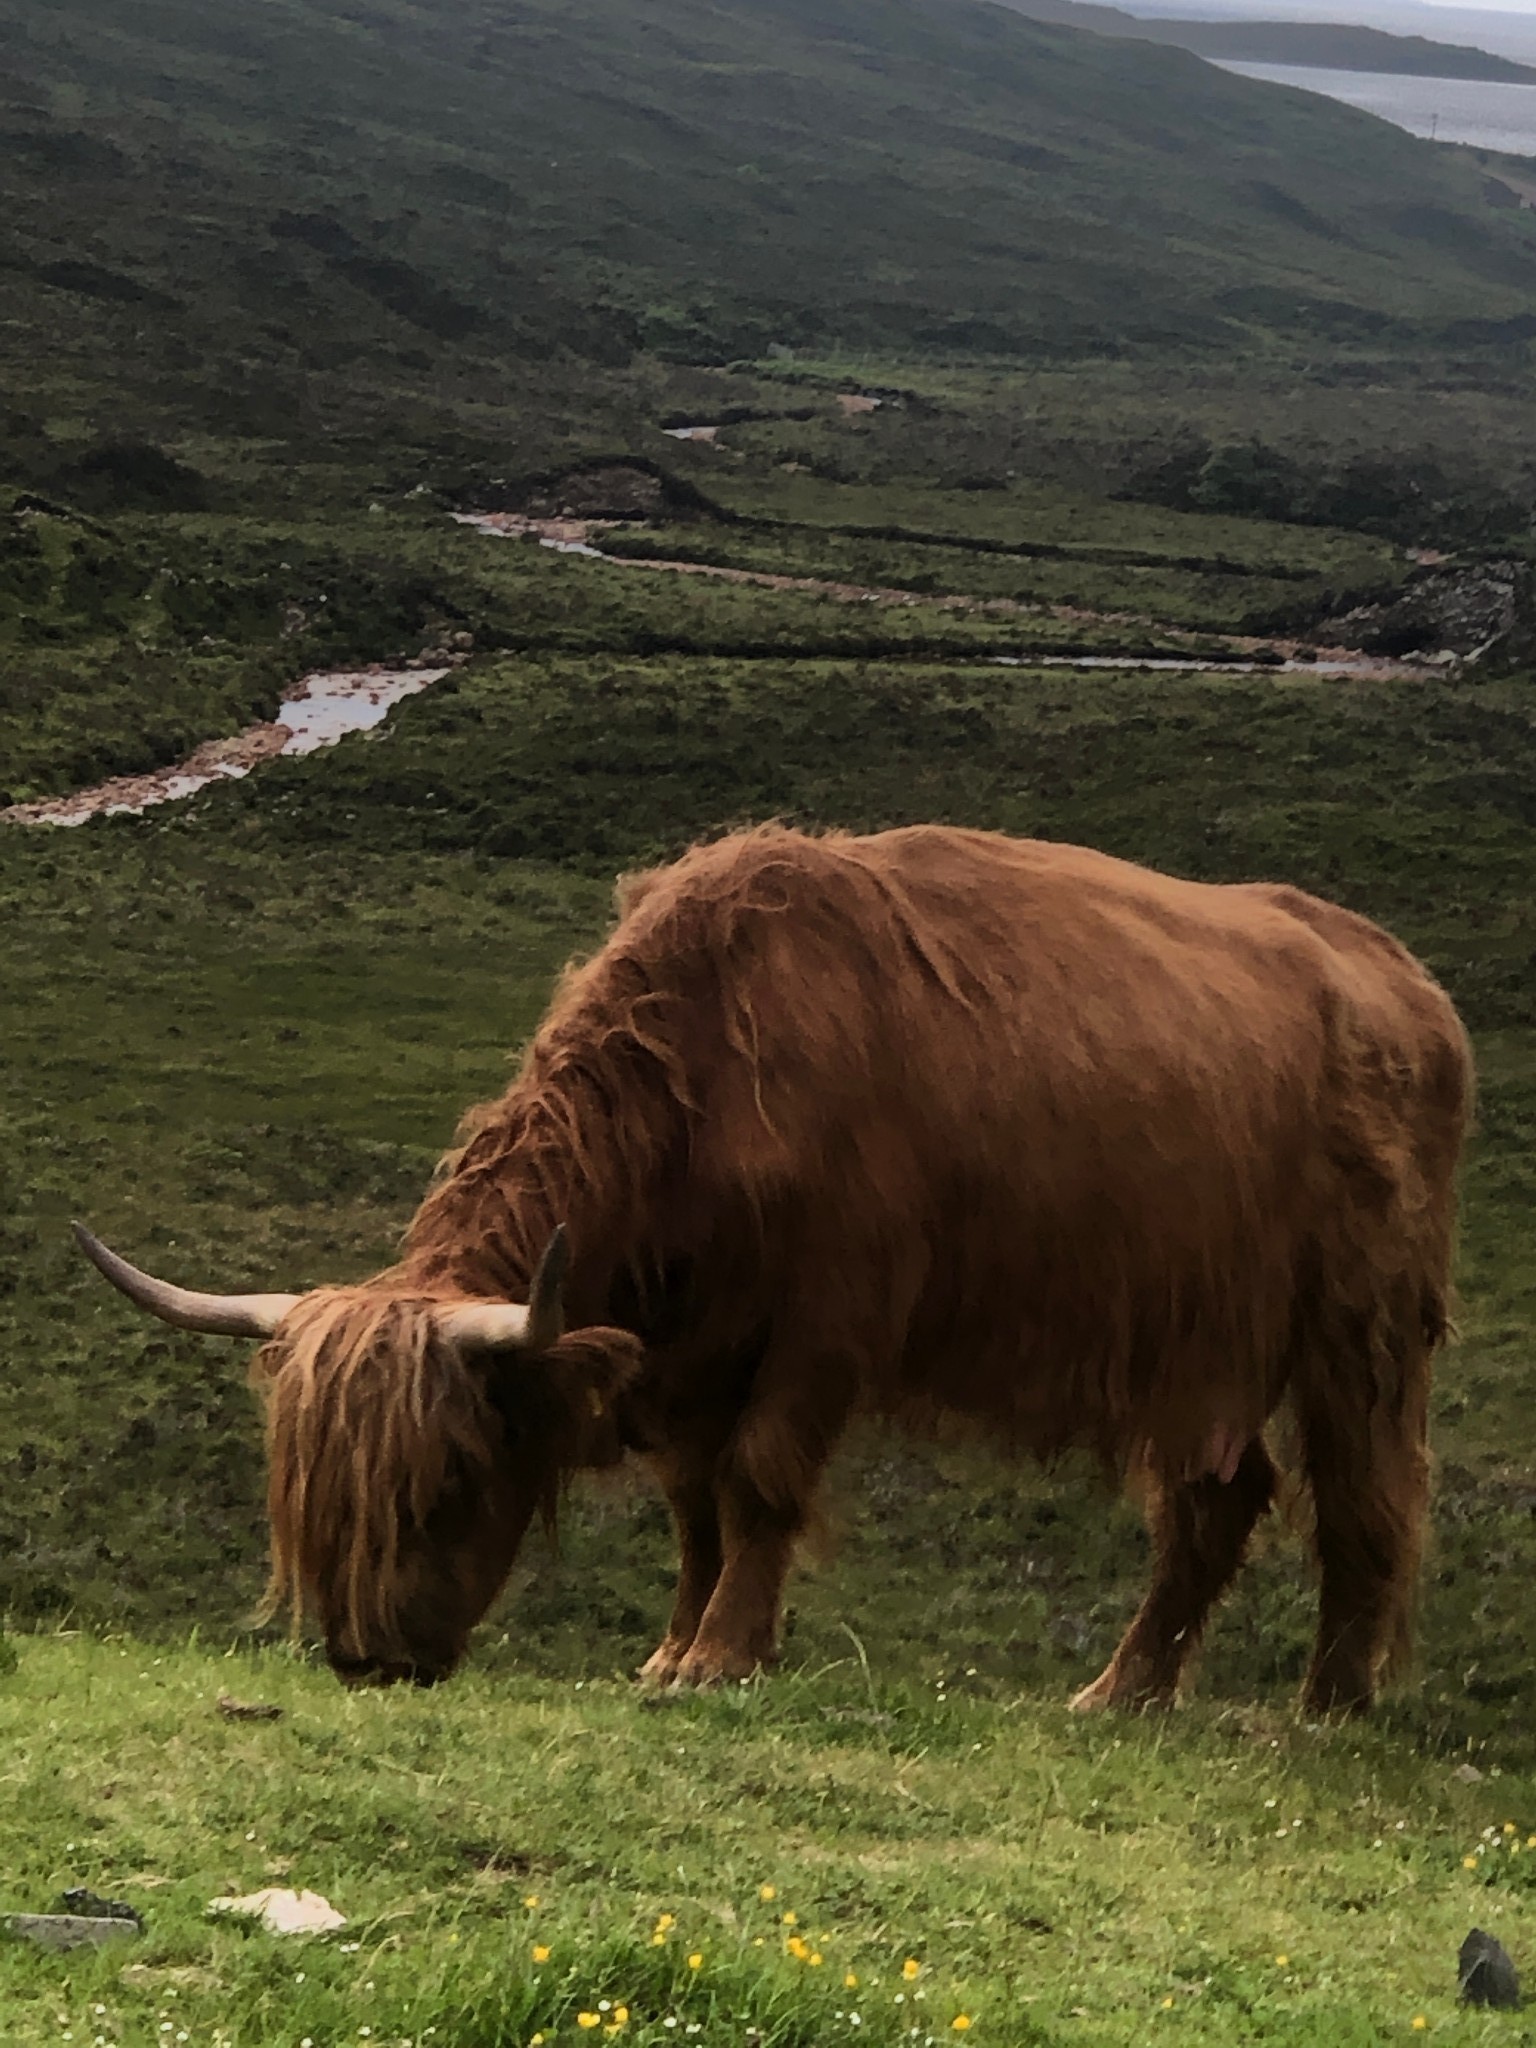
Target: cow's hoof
{"points": [[1098, 1697], [660, 1668], [1123, 1691], [707, 1666], [1337, 1699]]}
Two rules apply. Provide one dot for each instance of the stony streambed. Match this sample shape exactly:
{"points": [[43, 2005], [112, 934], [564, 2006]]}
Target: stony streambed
{"points": [[319, 710]]}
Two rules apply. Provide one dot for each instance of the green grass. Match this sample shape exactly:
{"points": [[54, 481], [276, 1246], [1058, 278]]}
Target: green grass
{"points": [[1232, 1877], [1352, 435], [1025, 515], [126, 642], [1187, 594]]}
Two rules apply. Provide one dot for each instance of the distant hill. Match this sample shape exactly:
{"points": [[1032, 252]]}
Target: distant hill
{"points": [[1332, 46], [310, 223]]}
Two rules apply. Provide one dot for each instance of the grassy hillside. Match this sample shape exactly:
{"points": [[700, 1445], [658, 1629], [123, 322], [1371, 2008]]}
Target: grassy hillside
{"points": [[291, 228], [125, 641]]}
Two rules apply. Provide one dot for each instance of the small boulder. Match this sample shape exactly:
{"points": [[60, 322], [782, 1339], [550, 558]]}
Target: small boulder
{"points": [[1487, 1976], [86, 1922]]}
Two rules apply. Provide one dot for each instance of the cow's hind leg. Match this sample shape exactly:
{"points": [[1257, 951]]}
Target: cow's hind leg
{"points": [[1364, 1435], [1200, 1530]]}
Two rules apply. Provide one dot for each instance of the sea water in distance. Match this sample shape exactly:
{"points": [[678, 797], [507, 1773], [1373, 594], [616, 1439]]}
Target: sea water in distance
{"points": [[1473, 110]]}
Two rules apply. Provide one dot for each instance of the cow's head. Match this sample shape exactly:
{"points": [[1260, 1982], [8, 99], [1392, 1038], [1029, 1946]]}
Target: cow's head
{"points": [[410, 1441]]}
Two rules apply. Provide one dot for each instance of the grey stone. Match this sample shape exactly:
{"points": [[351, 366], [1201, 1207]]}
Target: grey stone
{"points": [[68, 1930]]}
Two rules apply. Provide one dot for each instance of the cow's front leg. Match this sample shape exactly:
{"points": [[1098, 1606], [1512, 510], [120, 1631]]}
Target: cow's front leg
{"points": [[738, 1632], [689, 1484], [765, 1485]]}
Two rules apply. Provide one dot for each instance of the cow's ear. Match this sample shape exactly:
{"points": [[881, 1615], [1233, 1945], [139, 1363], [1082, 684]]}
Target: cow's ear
{"points": [[591, 1367], [562, 1398]]}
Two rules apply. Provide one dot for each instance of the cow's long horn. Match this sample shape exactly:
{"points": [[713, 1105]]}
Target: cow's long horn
{"points": [[221, 1315], [507, 1325]]}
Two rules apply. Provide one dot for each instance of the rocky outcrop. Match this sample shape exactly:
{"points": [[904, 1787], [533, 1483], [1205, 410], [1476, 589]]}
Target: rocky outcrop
{"points": [[617, 487], [1471, 610]]}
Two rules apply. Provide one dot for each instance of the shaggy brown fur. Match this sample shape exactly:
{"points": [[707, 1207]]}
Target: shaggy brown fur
{"points": [[927, 1123]]}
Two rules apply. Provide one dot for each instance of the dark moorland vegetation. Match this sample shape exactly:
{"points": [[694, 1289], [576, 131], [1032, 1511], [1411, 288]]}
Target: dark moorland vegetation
{"points": [[1168, 365]]}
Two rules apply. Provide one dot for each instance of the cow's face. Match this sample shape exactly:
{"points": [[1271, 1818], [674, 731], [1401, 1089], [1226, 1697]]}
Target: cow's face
{"points": [[443, 1574], [508, 1433], [410, 1442]]}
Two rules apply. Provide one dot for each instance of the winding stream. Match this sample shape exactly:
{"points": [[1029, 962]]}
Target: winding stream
{"points": [[1252, 656]]}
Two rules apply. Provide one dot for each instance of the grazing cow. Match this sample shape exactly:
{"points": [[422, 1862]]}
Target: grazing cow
{"points": [[928, 1124]]}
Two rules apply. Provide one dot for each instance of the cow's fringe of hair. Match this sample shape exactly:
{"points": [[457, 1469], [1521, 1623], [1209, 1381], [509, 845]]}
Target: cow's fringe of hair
{"points": [[367, 1409]]}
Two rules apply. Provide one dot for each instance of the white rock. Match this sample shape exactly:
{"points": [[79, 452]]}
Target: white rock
{"points": [[284, 1912]]}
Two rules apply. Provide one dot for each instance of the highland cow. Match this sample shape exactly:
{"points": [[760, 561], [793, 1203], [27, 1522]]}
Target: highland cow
{"points": [[932, 1124]]}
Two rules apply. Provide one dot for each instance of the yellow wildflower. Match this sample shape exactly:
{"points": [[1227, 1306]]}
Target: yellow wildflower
{"points": [[532, 1902], [790, 1919], [536, 2041], [911, 1968], [1168, 2004], [621, 2016], [1281, 1961], [1469, 1863], [961, 2023], [798, 1947], [850, 1981], [1510, 1828], [767, 1893], [696, 1961], [540, 1953], [1419, 2023], [666, 1921], [658, 1941], [814, 1958], [588, 2020]]}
